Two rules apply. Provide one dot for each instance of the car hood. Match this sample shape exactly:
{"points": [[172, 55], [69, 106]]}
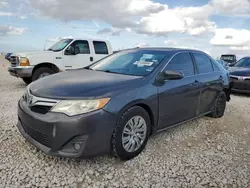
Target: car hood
{"points": [[26, 54], [239, 71], [82, 83]]}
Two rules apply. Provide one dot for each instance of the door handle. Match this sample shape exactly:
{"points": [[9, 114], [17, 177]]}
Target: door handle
{"points": [[91, 59], [220, 78], [196, 82]]}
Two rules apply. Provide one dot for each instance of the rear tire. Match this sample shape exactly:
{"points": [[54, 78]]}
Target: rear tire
{"points": [[27, 80], [42, 72], [137, 122], [219, 106]]}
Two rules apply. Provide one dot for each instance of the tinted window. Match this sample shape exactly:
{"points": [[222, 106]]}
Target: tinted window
{"points": [[182, 62], [227, 57], [203, 63], [136, 62], [245, 62], [215, 65], [100, 47], [81, 47]]}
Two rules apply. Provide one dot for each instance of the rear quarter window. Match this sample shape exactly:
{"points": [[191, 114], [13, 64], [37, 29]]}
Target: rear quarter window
{"points": [[100, 47]]}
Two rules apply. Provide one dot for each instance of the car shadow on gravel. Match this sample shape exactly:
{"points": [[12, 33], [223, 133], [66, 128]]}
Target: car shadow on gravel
{"points": [[20, 86], [241, 94]]}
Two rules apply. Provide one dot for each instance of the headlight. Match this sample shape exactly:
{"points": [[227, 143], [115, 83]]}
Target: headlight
{"points": [[75, 107], [24, 61]]}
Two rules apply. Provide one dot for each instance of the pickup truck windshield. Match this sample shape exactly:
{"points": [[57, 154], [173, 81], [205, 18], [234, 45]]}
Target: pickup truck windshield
{"points": [[60, 45], [227, 57], [137, 63]]}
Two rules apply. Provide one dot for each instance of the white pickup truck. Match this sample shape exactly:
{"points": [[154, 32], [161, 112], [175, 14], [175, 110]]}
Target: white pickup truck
{"points": [[67, 54]]}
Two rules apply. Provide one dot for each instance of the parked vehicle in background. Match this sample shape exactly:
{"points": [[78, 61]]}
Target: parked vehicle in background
{"points": [[7, 56], [229, 58], [67, 54], [240, 75], [223, 63], [114, 105]]}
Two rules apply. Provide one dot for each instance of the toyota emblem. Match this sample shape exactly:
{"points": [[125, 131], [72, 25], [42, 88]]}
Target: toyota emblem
{"points": [[241, 78], [29, 100]]}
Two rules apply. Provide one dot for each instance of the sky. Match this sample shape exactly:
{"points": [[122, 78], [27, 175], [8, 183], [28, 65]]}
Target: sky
{"points": [[214, 26]]}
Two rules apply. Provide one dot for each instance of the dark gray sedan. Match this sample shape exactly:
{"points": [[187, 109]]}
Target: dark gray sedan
{"points": [[240, 76], [114, 105]]}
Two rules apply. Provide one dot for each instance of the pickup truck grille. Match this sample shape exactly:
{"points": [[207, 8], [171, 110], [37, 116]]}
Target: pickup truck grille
{"points": [[14, 61]]}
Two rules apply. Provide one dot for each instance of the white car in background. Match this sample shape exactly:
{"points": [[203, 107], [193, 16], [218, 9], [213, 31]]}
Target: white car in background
{"points": [[67, 54]]}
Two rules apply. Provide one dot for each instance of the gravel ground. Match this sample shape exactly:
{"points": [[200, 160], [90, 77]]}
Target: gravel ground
{"points": [[202, 153]]}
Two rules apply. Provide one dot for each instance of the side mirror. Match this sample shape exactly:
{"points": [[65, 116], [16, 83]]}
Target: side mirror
{"points": [[172, 75], [70, 51], [169, 75]]}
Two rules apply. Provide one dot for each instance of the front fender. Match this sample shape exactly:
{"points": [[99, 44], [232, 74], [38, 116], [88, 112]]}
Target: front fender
{"points": [[143, 96]]}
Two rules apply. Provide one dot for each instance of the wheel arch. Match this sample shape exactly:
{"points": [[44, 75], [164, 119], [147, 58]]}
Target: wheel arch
{"points": [[46, 64], [146, 107]]}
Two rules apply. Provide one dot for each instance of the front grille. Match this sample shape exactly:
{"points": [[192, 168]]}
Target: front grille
{"points": [[38, 136], [38, 104], [40, 109], [14, 61], [233, 78]]}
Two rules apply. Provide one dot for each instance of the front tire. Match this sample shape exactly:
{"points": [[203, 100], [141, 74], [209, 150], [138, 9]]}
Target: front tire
{"points": [[27, 80], [219, 106], [42, 72], [131, 133]]}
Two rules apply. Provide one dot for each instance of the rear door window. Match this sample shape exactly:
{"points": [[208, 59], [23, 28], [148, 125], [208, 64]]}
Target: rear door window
{"points": [[100, 47], [182, 62], [203, 63]]}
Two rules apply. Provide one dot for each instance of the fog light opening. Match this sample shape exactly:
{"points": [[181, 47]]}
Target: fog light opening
{"points": [[77, 146]]}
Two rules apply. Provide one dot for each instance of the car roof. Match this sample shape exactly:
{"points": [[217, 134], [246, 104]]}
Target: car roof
{"points": [[86, 38], [166, 49]]}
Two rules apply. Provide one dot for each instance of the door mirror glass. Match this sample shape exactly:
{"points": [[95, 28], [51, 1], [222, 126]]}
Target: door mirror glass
{"points": [[70, 51], [173, 75]]}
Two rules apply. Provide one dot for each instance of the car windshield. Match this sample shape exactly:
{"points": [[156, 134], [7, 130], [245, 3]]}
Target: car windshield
{"points": [[137, 63], [244, 62], [60, 45], [227, 57]]}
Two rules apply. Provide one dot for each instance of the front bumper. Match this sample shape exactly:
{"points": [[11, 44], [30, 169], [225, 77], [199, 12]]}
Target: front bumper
{"points": [[241, 86], [21, 71], [55, 133], [241, 91]]}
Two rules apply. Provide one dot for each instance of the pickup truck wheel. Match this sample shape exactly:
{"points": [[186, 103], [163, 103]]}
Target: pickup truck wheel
{"points": [[27, 80], [42, 72], [131, 133]]}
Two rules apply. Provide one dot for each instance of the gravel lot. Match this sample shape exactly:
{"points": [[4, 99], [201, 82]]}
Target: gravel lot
{"points": [[203, 153]]}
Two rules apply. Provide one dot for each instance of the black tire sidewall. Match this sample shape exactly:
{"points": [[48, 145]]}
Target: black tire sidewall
{"points": [[117, 146], [41, 70], [27, 80], [215, 114]]}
